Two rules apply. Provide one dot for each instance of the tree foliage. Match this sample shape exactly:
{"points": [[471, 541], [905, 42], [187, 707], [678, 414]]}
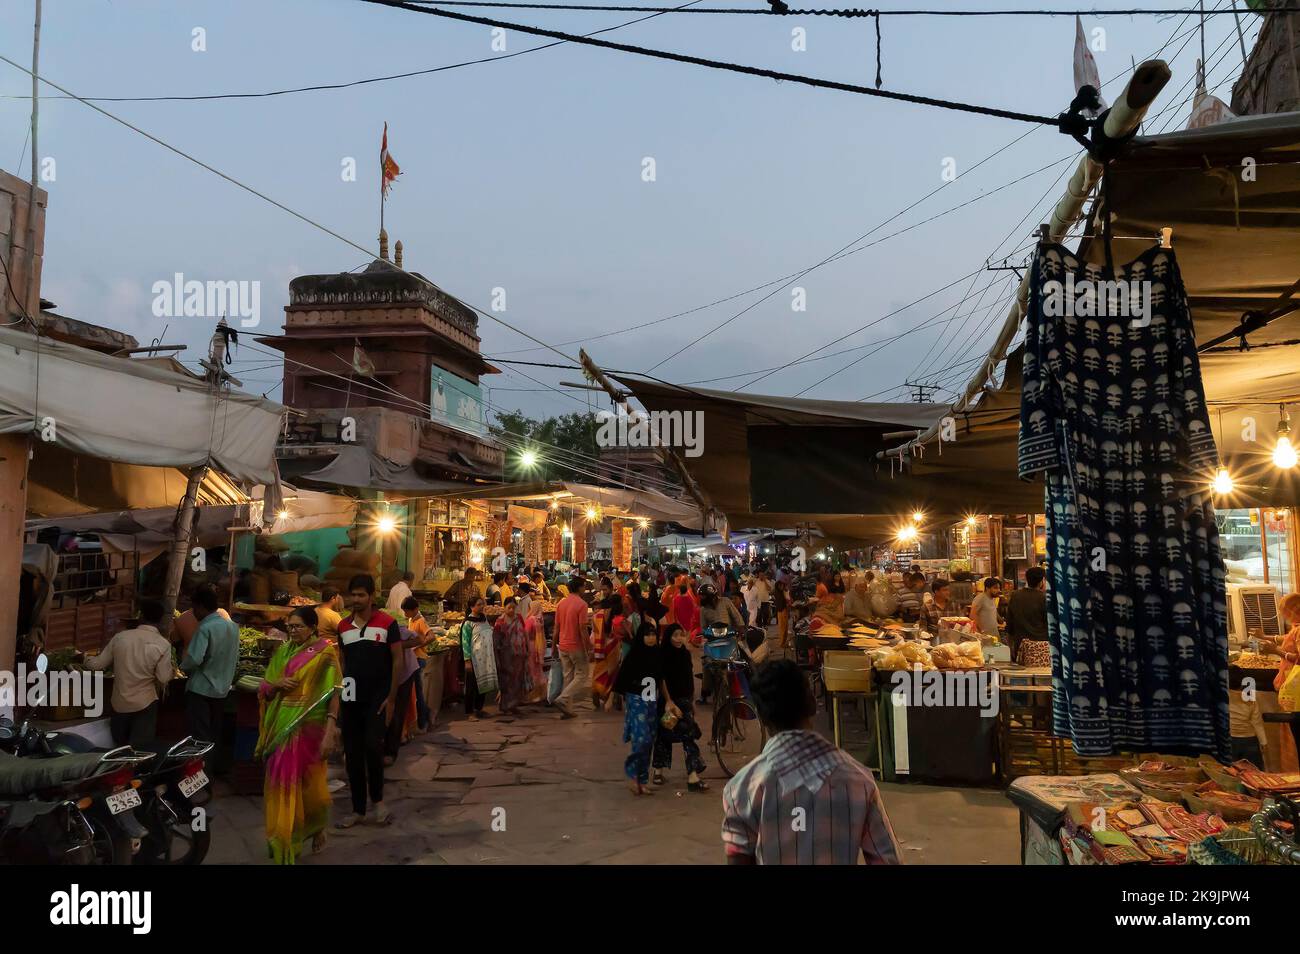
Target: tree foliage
{"points": [[565, 445]]}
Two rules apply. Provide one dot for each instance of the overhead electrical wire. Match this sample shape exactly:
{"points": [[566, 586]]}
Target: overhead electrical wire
{"points": [[325, 87], [1189, 33], [852, 12], [296, 214], [739, 68]]}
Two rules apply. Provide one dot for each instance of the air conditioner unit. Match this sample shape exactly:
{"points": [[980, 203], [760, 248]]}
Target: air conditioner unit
{"points": [[1252, 607]]}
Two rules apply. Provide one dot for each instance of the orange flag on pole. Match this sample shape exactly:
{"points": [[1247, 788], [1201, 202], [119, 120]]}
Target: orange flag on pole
{"points": [[389, 167]]}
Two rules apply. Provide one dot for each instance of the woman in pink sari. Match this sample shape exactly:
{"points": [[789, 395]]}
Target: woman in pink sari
{"points": [[534, 672]]}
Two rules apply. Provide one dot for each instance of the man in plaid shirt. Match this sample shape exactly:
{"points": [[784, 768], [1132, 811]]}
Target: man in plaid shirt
{"points": [[802, 801]]}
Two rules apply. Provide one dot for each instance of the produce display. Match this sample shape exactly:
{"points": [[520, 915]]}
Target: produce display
{"points": [[253, 657], [1249, 660]]}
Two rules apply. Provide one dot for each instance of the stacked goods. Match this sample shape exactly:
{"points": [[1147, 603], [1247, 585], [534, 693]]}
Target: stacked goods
{"points": [[1164, 781], [285, 581], [1271, 782], [905, 655], [349, 562], [1256, 661], [967, 655], [1230, 806]]}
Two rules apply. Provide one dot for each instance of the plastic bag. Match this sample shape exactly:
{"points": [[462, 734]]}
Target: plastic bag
{"points": [[1288, 697], [555, 679]]}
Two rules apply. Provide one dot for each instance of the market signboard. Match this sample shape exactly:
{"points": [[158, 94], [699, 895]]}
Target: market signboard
{"points": [[457, 403]]}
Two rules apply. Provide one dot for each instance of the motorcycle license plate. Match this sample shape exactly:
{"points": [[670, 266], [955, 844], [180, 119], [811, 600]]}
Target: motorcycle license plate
{"points": [[120, 802], [192, 783]]}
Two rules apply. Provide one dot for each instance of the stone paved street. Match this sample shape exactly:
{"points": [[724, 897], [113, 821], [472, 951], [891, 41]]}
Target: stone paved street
{"points": [[559, 788]]}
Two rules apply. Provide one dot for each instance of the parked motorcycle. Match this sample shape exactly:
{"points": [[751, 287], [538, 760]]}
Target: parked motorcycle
{"points": [[81, 807], [172, 785]]}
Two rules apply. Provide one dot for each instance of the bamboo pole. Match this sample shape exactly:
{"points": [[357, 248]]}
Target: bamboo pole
{"points": [[1123, 118]]}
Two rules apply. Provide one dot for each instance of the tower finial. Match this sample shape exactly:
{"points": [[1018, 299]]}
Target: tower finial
{"points": [[383, 244], [397, 254]]}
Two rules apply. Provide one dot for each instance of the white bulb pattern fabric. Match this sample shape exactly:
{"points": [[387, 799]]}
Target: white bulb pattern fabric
{"points": [[1113, 414]]}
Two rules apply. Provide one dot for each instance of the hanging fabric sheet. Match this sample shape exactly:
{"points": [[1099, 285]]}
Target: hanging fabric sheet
{"points": [[1113, 414]]}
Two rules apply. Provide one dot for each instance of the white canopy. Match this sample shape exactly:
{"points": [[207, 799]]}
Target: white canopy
{"points": [[132, 412]]}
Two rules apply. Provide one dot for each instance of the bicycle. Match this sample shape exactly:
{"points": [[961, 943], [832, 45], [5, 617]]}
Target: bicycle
{"points": [[738, 734]]}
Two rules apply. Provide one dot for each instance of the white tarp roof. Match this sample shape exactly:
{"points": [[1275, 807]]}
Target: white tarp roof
{"points": [[132, 412]]}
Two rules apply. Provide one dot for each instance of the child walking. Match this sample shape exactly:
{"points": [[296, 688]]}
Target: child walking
{"points": [[638, 682], [677, 689]]}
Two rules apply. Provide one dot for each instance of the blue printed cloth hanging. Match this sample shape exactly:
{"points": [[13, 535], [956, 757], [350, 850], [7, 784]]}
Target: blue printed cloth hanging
{"points": [[1113, 414]]}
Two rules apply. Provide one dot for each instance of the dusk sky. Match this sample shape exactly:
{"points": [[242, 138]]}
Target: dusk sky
{"points": [[526, 174]]}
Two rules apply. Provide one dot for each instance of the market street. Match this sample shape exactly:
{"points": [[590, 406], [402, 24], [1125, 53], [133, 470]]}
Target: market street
{"points": [[566, 802]]}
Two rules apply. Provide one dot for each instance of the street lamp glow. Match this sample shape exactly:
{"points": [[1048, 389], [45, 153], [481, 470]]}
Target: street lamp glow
{"points": [[906, 534], [1222, 483], [591, 513], [918, 516], [528, 458], [386, 524]]}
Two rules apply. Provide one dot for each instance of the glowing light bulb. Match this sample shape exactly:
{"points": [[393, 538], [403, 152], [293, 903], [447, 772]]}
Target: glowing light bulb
{"points": [[971, 521], [1284, 455], [528, 458], [555, 505], [1222, 483], [918, 516], [282, 515], [591, 513], [387, 524]]}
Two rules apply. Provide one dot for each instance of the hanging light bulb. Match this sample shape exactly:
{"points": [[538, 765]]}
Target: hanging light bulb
{"points": [[971, 521], [1222, 483], [1284, 455], [918, 516]]}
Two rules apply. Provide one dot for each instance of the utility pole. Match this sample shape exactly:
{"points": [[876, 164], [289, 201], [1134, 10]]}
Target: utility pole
{"points": [[922, 393], [31, 195], [183, 527], [666, 454]]}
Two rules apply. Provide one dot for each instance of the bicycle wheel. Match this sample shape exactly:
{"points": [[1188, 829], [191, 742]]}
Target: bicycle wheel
{"points": [[738, 735]]}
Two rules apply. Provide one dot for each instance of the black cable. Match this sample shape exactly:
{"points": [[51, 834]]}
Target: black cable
{"points": [[372, 79], [846, 13], [727, 67]]}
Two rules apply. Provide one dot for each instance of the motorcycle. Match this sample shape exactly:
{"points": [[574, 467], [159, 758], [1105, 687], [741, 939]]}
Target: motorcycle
{"points": [[73, 809], [172, 786]]}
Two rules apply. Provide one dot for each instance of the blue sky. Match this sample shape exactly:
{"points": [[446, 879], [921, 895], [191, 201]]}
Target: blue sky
{"points": [[526, 174]]}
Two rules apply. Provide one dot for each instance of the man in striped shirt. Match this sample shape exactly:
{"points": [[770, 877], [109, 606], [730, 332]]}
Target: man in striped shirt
{"points": [[802, 801]]}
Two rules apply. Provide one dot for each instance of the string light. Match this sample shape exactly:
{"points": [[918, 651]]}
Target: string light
{"points": [[971, 521]]}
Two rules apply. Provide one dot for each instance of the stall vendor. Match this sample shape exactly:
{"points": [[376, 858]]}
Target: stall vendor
{"points": [[857, 605]]}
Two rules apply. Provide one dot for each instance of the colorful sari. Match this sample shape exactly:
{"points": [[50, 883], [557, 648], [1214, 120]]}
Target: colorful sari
{"points": [[535, 668], [292, 734], [607, 633], [510, 645]]}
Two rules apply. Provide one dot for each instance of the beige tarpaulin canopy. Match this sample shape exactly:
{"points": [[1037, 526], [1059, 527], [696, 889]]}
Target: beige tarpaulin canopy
{"points": [[782, 462], [149, 531], [130, 412], [613, 501]]}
